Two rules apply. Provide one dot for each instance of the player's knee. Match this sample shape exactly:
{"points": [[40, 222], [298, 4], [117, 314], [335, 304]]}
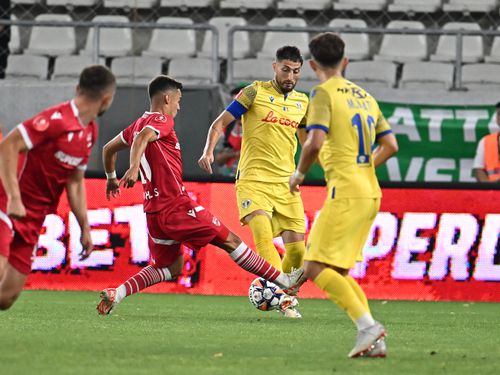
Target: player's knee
{"points": [[6, 302]]}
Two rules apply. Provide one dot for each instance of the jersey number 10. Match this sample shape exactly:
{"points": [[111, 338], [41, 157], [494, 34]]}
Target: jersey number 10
{"points": [[364, 146]]}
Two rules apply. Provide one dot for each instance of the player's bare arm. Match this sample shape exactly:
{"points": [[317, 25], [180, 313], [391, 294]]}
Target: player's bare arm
{"points": [[214, 133], [387, 146], [77, 198], [139, 145], [308, 157], [109, 153], [10, 148]]}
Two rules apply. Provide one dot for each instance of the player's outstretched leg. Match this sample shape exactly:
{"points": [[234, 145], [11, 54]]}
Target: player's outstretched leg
{"points": [[148, 276], [252, 262], [11, 284]]}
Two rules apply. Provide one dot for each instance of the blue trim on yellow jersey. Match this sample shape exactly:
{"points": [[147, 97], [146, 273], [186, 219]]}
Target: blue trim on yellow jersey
{"points": [[380, 135], [301, 126], [317, 126], [236, 109]]}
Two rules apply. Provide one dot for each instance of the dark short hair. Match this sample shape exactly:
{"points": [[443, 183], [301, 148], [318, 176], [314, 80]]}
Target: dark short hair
{"points": [[327, 49], [498, 105], [162, 83], [291, 53], [95, 80]]}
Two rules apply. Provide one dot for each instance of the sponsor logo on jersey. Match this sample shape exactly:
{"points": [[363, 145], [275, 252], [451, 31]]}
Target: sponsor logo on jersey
{"points": [[272, 118], [68, 159], [246, 203], [40, 123]]}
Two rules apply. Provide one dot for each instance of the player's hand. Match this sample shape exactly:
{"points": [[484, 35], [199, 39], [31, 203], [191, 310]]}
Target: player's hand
{"points": [[294, 183], [16, 209], [112, 188], [87, 246], [129, 178], [206, 161]]}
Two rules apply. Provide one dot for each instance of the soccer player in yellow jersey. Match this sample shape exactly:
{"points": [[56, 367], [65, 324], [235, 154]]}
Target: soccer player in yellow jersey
{"points": [[271, 113], [344, 125]]}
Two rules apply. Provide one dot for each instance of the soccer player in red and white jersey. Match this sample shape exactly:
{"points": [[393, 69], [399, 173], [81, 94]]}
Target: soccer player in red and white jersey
{"points": [[172, 217], [40, 158]]}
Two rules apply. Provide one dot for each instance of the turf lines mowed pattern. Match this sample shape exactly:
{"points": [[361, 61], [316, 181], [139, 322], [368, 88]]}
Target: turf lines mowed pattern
{"points": [[61, 333]]}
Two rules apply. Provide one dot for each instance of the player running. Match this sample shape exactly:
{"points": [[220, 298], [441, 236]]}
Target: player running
{"points": [[344, 122], [39, 159], [271, 113], [172, 217]]}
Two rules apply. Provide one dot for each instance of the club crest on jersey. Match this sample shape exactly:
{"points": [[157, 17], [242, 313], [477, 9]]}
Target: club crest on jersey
{"points": [[40, 123], [161, 118], [246, 203], [271, 99], [299, 105]]}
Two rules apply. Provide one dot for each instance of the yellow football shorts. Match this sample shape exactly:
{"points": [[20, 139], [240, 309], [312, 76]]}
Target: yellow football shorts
{"points": [[339, 233], [284, 208]]}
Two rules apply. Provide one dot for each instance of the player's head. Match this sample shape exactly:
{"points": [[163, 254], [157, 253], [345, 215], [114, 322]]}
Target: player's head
{"points": [[498, 113], [327, 52], [165, 93], [287, 67], [97, 84]]}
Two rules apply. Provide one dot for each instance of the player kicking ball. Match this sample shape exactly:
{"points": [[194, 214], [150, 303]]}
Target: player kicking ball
{"points": [[172, 217], [343, 124]]}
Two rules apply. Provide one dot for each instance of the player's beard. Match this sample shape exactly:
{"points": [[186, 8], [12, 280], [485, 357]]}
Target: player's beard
{"points": [[286, 86]]}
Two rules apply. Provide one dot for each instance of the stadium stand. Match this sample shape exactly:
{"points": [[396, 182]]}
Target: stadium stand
{"points": [[78, 3], [140, 4], [27, 67], [112, 41], [472, 49], [470, 6], [403, 48], [166, 43], [188, 3], [274, 40], [241, 38], [15, 39], [357, 45], [136, 70], [191, 71], [427, 76], [52, 41], [494, 56], [367, 5], [248, 70]]}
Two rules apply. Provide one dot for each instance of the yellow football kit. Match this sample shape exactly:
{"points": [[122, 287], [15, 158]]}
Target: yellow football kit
{"points": [[352, 121], [270, 120]]}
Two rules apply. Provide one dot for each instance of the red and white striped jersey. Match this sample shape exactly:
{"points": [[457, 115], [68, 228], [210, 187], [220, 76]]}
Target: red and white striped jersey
{"points": [[161, 164]]}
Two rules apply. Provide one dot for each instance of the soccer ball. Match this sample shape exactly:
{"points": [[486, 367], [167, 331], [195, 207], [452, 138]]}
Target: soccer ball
{"points": [[265, 295]]}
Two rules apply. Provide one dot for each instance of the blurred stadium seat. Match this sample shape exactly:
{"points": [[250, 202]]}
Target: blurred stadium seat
{"points": [[481, 76], [241, 38], [191, 71], [248, 70], [136, 70], [243, 4], [427, 76], [422, 6], [472, 47], [27, 67], [470, 6], [274, 40], [372, 74], [403, 48], [68, 68], [494, 56], [170, 43], [187, 3], [74, 3], [368, 5], [113, 42], [304, 5], [52, 41], [357, 45], [140, 4]]}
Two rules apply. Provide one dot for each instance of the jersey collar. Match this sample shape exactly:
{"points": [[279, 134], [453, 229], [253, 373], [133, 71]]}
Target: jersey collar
{"points": [[76, 112], [276, 87]]}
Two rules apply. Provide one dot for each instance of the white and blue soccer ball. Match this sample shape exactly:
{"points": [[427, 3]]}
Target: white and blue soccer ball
{"points": [[265, 295]]}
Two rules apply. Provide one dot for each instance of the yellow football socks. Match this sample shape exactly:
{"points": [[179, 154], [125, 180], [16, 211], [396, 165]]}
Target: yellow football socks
{"points": [[263, 237], [294, 255], [339, 290], [359, 292]]}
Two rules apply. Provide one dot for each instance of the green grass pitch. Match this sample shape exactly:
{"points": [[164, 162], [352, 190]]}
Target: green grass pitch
{"points": [[61, 333]]}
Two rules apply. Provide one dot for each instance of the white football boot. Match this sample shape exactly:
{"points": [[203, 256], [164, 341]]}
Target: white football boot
{"points": [[296, 279], [366, 340], [288, 307]]}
